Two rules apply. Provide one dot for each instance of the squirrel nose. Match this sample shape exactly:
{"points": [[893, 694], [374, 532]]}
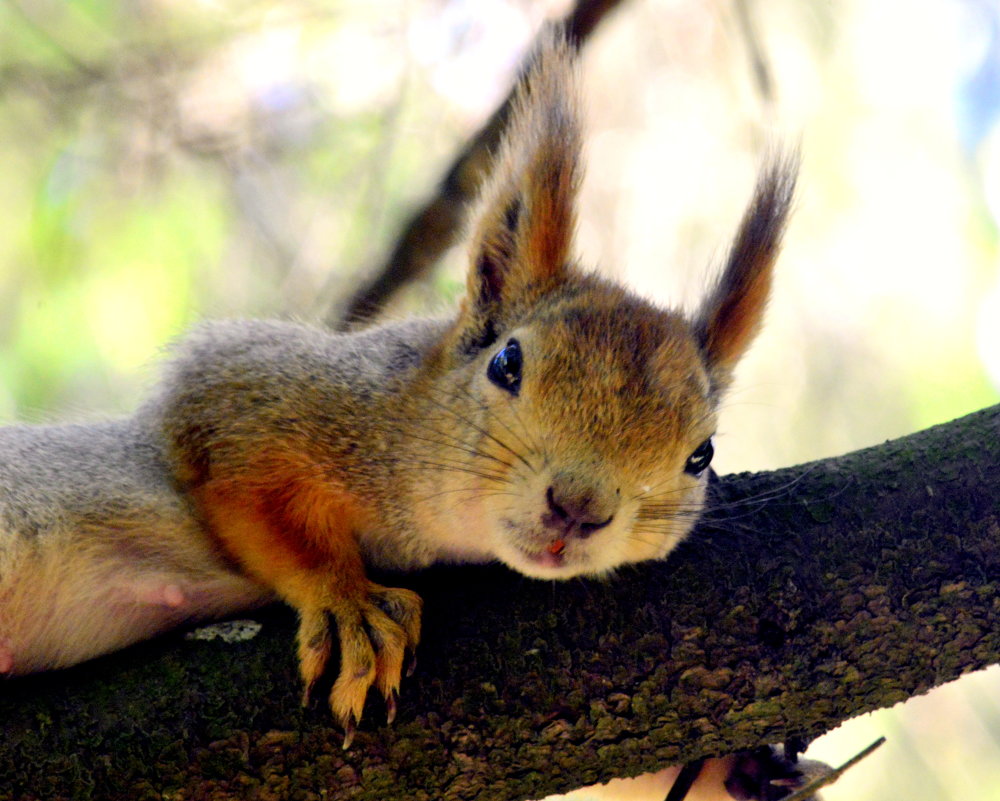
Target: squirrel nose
{"points": [[575, 513]]}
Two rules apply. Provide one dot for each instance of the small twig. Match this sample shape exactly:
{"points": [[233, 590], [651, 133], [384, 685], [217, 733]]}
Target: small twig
{"points": [[758, 58], [829, 778], [685, 778]]}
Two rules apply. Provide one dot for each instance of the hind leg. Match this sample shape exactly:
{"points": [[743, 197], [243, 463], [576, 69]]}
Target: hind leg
{"points": [[154, 591]]}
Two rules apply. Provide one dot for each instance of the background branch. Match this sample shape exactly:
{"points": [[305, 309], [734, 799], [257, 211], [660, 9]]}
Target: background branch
{"points": [[433, 228], [760, 67], [810, 595]]}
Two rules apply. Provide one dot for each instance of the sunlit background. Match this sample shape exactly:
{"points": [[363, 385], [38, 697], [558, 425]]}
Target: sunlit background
{"points": [[168, 160]]}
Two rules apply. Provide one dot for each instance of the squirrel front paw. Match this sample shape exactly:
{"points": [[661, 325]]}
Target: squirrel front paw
{"points": [[375, 633]]}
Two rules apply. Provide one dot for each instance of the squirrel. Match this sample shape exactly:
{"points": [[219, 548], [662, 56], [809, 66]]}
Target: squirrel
{"points": [[555, 423]]}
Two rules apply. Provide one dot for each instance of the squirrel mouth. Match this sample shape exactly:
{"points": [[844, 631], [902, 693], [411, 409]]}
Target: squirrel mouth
{"points": [[554, 555], [538, 554]]}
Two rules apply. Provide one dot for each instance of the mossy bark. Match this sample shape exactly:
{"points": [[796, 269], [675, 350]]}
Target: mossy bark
{"points": [[813, 594]]}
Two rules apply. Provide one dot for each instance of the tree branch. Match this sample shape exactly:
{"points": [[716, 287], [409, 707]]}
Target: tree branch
{"points": [[432, 228], [811, 595], [760, 66]]}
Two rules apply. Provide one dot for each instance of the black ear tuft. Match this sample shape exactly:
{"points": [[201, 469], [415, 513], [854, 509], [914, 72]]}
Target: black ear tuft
{"points": [[478, 340], [490, 280], [732, 313]]}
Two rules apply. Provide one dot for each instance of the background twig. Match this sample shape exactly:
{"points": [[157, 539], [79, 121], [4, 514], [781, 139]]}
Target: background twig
{"points": [[432, 228]]}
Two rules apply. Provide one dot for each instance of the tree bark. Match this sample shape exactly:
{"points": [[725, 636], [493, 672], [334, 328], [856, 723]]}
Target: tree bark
{"points": [[808, 596]]}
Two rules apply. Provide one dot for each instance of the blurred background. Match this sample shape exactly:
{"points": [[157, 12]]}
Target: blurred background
{"points": [[169, 160]]}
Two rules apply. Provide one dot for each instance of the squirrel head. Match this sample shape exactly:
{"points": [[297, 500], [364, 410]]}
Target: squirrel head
{"points": [[586, 413]]}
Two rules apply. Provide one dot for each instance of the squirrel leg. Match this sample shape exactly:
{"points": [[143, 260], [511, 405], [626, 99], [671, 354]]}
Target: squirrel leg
{"points": [[770, 772], [154, 592], [321, 574]]}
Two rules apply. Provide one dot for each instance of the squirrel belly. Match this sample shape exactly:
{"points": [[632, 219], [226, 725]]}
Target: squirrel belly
{"points": [[97, 549]]}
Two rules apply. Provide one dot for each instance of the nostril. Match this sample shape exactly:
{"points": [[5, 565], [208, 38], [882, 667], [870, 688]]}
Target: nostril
{"points": [[559, 511], [586, 529], [576, 512]]}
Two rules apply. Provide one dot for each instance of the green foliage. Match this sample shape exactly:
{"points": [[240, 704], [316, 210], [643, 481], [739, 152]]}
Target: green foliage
{"points": [[169, 162]]}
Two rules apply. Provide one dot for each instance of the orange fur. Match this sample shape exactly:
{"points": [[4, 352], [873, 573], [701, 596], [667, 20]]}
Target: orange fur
{"points": [[288, 525], [296, 532]]}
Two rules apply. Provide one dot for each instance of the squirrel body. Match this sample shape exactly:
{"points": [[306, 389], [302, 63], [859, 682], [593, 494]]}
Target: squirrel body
{"points": [[556, 423], [97, 548]]}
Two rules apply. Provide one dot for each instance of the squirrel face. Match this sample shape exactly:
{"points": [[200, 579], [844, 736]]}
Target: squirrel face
{"points": [[595, 414], [577, 417]]}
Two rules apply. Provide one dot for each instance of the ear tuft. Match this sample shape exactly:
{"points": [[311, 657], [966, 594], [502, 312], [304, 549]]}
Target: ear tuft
{"points": [[731, 315], [522, 241]]}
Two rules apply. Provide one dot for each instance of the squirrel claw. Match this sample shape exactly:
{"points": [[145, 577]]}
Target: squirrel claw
{"points": [[391, 705], [350, 729], [375, 632]]}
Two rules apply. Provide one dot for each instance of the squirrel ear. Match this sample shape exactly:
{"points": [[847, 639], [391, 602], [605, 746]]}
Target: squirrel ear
{"points": [[522, 240], [731, 315]]}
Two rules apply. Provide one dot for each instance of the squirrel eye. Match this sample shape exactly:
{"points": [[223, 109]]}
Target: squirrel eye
{"points": [[700, 459], [505, 367]]}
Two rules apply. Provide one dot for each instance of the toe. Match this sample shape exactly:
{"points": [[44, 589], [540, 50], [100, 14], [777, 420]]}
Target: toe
{"points": [[357, 671], [315, 644], [404, 607]]}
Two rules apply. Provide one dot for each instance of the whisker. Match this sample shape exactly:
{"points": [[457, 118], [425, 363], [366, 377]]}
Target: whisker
{"points": [[535, 446], [463, 447], [648, 492], [530, 447], [483, 431], [428, 465], [479, 493]]}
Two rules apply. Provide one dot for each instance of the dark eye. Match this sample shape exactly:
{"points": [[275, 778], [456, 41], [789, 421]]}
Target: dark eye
{"points": [[700, 459], [505, 368]]}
